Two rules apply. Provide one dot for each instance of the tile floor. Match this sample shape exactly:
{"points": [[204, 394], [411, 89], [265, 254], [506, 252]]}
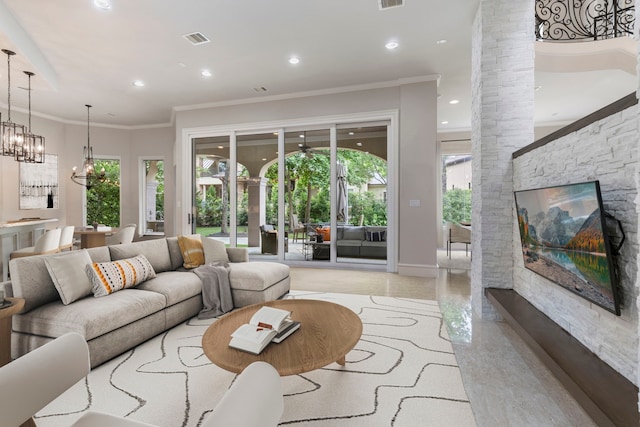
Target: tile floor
{"points": [[507, 385]]}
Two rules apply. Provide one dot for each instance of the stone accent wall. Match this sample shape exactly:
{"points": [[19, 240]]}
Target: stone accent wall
{"points": [[606, 151], [502, 122]]}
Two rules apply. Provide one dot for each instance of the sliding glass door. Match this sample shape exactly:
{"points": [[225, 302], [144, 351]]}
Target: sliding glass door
{"points": [[361, 200], [307, 194], [209, 214]]}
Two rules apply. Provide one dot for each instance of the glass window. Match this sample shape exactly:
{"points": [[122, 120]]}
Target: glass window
{"points": [[153, 196], [103, 199]]}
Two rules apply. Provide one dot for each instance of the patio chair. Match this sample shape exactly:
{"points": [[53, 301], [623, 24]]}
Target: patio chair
{"points": [[298, 229], [458, 234], [269, 239]]}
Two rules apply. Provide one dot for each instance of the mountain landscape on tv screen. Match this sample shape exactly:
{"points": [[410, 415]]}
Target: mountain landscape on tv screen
{"points": [[568, 250]]}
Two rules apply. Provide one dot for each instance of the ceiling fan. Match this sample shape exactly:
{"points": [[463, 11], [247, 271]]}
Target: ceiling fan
{"points": [[309, 151]]}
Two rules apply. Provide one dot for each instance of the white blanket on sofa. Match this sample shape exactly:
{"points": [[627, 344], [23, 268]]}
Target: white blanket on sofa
{"points": [[216, 289]]}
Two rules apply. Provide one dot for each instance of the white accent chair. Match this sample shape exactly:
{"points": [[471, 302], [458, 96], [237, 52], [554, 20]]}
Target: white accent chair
{"points": [[66, 237], [458, 234], [32, 381], [124, 235], [48, 243]]}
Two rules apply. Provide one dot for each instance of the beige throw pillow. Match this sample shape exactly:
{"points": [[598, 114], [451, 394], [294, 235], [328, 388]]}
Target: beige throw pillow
{"points": [[214, 250], [68, 275]]}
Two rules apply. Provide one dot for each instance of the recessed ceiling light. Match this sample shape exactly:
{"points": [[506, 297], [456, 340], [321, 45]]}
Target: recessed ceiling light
{"points": [[441, 41], [275, 133], [138, 83], [391, 45], [206, 73], [537, 88], [301, 145], [220, 147], [454, 101], [294, 60], [264, 159], [301, 135], [444, 122], [102, 4], [359, 144], [351, 133]]}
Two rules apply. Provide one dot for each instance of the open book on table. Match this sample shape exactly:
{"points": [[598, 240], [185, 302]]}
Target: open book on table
{"points": [[265, 325]]}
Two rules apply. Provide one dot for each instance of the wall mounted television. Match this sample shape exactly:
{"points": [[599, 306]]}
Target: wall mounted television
{"points": [[564, 239]]}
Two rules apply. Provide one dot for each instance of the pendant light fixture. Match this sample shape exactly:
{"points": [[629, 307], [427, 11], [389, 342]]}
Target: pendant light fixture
{"points": [[10, 133], [88, 177], [32, 145]]}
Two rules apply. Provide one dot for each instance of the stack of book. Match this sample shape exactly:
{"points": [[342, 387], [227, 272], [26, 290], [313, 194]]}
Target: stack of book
{"points": [[267, 325]]}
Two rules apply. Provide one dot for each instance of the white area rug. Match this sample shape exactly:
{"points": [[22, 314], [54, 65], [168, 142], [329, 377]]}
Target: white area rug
{"points": [[401, 373]]}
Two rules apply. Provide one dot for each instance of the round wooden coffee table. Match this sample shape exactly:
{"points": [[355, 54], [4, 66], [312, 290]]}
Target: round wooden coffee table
{"points": [[327, 333]]}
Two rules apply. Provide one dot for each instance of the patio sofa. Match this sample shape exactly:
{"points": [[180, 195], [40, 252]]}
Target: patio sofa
{"points": [[119, 321], [362, 242]]}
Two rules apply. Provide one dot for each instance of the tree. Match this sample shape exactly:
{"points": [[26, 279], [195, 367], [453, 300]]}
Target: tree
{"points": [[310, 198], [456, 205], [103, 199]]}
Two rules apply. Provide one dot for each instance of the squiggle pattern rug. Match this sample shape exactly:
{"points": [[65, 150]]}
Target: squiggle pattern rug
{"points": [[401, 373]]}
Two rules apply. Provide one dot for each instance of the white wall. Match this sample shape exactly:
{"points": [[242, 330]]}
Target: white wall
{"points": [[606, 151], [67, 140]]}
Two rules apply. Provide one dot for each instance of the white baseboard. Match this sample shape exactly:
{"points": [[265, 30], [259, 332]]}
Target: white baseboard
{"points": [[418, 270]]}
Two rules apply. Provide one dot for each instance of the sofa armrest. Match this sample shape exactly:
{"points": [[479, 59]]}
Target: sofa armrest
{"points": [[238, 254]]}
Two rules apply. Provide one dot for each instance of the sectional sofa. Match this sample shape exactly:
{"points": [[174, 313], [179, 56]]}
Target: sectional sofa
{"points": [[362, 242], [168, 295]]}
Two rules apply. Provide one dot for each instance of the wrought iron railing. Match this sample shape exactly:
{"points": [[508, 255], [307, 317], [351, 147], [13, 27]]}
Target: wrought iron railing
{"points": [[578, 20]]}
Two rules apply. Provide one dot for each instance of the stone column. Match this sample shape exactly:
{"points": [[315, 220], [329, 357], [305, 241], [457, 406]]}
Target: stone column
{"points": [[256, 189], [502, 81]]}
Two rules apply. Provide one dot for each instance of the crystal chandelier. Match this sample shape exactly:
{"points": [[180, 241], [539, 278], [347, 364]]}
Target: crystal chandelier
{"points": [[10, 133], [88, 176], [32, 150]]}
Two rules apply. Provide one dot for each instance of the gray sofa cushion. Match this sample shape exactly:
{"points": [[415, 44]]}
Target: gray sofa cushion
{"points": [[176, 286], [99, 254], [175, 253], [256, 276], [345, 243], [31, 281], [90, 317], [156, 251], [353, 233]]}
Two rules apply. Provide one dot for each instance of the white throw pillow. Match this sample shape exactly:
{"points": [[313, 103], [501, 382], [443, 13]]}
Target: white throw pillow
{"points": [[68, 275], [214, 250]]}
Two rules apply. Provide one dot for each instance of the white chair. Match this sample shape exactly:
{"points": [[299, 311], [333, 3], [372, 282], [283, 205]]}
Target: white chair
{"points": [[48, 243], [66, 237], [458, 234], [124, 235], [31, 382]]}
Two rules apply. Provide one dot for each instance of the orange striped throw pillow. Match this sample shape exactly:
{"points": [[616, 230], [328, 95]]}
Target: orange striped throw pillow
{"points": [[109, 277]]}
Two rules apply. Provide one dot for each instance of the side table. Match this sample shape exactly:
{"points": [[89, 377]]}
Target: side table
{"points": [[6, 312]]}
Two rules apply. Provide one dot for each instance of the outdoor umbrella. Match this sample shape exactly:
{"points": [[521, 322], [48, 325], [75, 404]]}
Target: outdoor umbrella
{"points": [[342, 193]]}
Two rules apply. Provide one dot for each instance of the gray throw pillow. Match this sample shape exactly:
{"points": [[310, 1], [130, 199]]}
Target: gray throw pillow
{"points": [[214, 250], [68, 275]]}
